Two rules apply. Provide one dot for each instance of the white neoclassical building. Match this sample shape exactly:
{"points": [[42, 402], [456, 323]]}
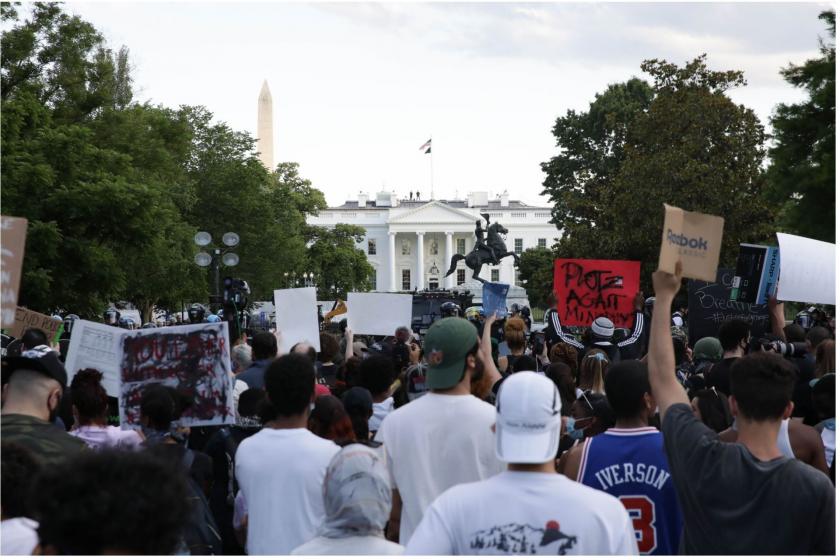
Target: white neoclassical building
{"points": [[410, 242]]}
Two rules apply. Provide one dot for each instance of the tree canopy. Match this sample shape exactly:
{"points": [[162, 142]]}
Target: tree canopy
{"points": [[801, 172]]}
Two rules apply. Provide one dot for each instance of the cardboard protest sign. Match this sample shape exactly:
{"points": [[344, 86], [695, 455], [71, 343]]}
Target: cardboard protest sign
{"points": [[194, 359], [709, 306], [587, 289], [494, 299], [296, 315], [12, 245], [756, 274], [807, 270], [693, 238], [377, 313], [97, 346], [27, 319]]}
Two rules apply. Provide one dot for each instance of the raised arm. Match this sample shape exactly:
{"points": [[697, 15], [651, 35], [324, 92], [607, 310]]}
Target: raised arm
{"points": [[348, 346], [485, 350], [661, 362], [777, 318]]}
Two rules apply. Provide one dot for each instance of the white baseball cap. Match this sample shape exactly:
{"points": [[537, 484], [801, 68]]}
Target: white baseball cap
{"points": [[527, 419]]}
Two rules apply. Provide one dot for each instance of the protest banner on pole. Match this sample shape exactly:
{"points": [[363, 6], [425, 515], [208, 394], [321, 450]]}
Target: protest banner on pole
{"points": [[28, 319], [807, 270], [193, 359], [693, 238], [494, 299], [709, 306], [12, 246], [296, 316], [756, 274], [97, 346], [377, 313], [587, 289]]}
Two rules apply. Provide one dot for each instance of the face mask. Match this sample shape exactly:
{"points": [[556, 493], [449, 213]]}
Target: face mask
{"points": [[570, 428]]}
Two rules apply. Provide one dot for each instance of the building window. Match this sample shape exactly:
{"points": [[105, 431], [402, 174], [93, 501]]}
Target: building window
{"points": [[541, 242], [462, 275], [373, 280], [434, 248], [461, 248], [433, 283], [406, 280], [406, 247], [517, 246], [494, 275], [371, 246]]}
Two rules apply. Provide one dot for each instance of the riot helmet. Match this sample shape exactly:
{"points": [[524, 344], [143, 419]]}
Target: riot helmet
{"points": [[112, 317], [450, 309]]}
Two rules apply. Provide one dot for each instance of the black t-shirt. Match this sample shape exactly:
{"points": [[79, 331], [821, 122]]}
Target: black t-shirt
{"points": [[733, 503], [719, 376]]}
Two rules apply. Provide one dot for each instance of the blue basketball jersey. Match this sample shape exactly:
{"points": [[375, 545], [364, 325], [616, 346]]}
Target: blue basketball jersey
{"points": [[630, 464]]}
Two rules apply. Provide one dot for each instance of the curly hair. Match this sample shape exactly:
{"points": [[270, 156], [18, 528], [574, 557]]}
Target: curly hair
{"points": [[89, 396], [19, 468], [515, 333], [131, 502], [567, 354]]}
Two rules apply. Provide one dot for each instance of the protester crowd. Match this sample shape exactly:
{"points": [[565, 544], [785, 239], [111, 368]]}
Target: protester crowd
{"points": [[480, 438]]}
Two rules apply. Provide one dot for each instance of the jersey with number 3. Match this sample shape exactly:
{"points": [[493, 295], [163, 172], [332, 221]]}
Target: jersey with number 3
{"points": [[630, 464]]}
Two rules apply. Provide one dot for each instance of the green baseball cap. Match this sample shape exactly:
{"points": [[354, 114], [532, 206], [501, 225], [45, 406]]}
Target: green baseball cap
{"points": [[446, 345], [708, 348]]}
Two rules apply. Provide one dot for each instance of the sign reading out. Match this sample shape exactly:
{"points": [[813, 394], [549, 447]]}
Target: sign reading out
{"points": [[587, 289]]}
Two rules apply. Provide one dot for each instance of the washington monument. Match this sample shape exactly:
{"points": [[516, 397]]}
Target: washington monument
{"points": [[265, 128]]}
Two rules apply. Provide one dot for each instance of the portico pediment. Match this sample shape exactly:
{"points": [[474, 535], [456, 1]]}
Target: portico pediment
{"points": [[434, 212]]}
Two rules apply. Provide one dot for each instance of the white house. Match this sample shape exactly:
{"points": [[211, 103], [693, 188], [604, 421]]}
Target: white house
{"points": [[410, 242]]}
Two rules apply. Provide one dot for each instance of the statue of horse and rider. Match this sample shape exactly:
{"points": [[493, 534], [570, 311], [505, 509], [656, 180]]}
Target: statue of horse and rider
{"points": [[486, 251]]}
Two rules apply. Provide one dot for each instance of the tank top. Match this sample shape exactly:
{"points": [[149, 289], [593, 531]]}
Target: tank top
{"points": [[630, 464]]}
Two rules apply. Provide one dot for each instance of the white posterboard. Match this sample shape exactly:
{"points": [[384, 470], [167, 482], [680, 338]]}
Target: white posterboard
{"points": [[376, 313], [97, 346], [296, 315], [807, 270]]}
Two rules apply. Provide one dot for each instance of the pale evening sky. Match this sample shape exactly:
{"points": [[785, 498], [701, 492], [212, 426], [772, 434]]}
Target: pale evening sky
{"points": [[358, 87]]}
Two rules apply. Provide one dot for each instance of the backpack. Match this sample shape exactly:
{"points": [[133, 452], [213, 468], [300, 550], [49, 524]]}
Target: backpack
{"points": [[230, 457], [201, 535]]}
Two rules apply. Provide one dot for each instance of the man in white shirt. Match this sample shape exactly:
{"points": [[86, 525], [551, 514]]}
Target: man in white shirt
{"points": [[443, 439], [528, 509], [281, 468]]}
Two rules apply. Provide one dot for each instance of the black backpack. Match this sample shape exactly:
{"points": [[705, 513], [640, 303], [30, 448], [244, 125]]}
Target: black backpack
{"points": [[201, 534], [230, 457]]}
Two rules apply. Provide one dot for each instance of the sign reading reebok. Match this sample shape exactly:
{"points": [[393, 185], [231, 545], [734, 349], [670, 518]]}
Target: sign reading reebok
{"points": [[692, 238]]}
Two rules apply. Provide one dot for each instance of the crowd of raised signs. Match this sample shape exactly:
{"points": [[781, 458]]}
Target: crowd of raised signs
{"points": [[484, 437]]}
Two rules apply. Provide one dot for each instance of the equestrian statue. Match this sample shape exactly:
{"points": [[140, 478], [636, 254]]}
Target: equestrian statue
{"points": [[486, 251]]}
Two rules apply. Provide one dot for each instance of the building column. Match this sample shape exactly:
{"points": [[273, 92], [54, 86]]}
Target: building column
{"points": [[449, 281], [392, 262], [419, 280]]}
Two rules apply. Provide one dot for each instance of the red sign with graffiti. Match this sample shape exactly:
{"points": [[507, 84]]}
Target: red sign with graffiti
{"points": [[587, 289]]}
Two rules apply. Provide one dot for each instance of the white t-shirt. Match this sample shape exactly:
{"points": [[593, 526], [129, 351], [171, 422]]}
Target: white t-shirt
{"points": [[349, 546], [518, 513], [280, 473], [380, 411], [104, 437], [434, 443], [18, 536]]}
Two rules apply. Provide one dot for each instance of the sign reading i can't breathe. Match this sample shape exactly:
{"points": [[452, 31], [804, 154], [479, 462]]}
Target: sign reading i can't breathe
{"points": [[587, 289]]}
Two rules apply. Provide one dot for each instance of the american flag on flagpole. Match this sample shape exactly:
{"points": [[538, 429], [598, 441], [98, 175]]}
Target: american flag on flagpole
{"points": [[427, 146]]}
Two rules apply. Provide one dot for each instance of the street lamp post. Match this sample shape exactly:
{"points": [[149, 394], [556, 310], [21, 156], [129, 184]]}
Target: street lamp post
{"points": [[219, 256]]}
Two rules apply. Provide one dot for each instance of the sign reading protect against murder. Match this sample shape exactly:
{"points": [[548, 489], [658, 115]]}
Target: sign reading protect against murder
{"points": [[587, 289], [693, 238]]}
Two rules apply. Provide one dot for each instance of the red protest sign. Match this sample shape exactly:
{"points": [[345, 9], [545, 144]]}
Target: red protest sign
{"points": [[587, 289]]}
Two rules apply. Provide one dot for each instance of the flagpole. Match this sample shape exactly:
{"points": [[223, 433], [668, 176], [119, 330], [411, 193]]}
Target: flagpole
{"points": [[431, 170]]}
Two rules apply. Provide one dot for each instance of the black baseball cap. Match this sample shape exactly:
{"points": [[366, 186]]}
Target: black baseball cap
{"points": [[42, 359]]}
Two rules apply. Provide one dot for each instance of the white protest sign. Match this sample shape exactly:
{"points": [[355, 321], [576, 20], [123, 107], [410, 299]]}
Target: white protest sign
{"points": [[192, 359], [807, 270], [12, 244], [97, 346], [296, 315], [378, 313]]}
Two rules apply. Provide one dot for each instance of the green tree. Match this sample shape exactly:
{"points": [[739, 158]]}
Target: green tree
{"points": [[536, 269], [801, 172], [692, 147], [591, 150], [90, 175], [336, 261]]}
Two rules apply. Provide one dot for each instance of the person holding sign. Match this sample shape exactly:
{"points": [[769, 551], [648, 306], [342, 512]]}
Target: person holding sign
{"points": [[741, 498]]}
